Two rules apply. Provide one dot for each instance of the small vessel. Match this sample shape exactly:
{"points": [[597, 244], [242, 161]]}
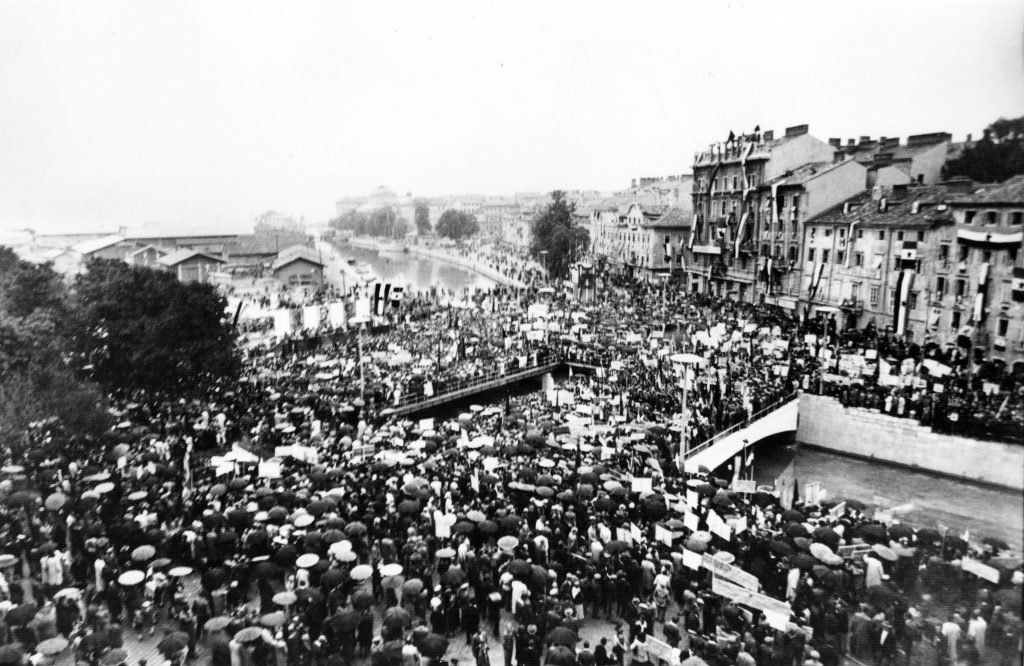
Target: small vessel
{"points": [[350, 262]]}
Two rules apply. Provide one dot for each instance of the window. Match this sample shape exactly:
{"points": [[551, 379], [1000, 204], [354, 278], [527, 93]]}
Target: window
{"points": [[858, 259], [810, 254], [913, 300], [969, 216], [920, 236], [962, 252], [840, 257], [892, 296], [944, 252], [734, 183], [1004, 325], [792, 253], [990, 217], [824, 256], [899, 235], [796, 202], [940, 287], [752, 180], [842, 232], [881, 234], [860, 233], [986, 256], [961, 288], [954, 322], [828, 232], [873, 295], [1017, 218], [1011, 256]]}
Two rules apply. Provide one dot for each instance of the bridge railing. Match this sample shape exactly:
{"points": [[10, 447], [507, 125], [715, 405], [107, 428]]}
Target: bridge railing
{"points": [[451, 387], [711, 441]]}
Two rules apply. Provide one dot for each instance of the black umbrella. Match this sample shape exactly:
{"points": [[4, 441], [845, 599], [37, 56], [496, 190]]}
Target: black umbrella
{"points": [[433, 646], [453, 577], [563, 636], [22, 615]]}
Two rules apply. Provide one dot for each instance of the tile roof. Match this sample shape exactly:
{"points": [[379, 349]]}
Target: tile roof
{"points": [[675, 216], [899, 210], [175, 258], [296, 253], [1010, 191], [97, 244], [806, 172]]}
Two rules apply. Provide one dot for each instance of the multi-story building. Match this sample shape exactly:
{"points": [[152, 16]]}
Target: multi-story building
{"points": [[494, 214], [751, 196], [639, 239], [986, 249], [273, 221], [932, 264], [920, 160], [516, 232]]}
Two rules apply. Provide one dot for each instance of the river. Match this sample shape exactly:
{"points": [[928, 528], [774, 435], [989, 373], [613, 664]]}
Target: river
{"points": [[417, 273], [924, 499]]}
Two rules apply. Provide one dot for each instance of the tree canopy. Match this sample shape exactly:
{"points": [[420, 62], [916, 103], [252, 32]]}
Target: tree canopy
{"points": [[382, 223], [554, 232], [422, 215], [457, 225], [135, 327], [997, 156], [36, 384]]}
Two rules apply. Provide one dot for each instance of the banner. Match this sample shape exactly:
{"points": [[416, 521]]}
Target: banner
{"points": [[336, 314], [663, 535], [729, 572], [282, 322], [691, 559], [749, 598], [983, 571], [659, 650], [745, 486], [270, 469], [311, 317]]}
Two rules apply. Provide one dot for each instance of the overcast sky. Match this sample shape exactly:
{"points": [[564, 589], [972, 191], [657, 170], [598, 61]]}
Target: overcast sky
{"points": [[208, 112]]}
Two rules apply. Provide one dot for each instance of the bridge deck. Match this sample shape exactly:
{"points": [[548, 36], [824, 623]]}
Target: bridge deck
{"points": [[478, 386]]}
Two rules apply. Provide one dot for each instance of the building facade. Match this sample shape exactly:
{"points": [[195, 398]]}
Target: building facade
{"points": [[744, 230]]}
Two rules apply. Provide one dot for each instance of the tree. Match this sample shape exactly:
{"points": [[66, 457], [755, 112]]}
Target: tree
{"points": [[36, 383], [422, 217], [141, 328], [997, 156], [554, 232], [456, 225]]}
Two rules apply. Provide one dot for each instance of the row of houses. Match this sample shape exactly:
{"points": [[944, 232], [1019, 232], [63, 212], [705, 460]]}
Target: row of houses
{"points": [[866, 230], [285, 254]]}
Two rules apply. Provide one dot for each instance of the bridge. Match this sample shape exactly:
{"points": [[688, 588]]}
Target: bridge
{"points": [[457, 390], [775, 419]]}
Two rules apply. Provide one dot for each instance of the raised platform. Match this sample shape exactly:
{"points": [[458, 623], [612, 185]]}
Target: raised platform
{"points": [[477, 386]]}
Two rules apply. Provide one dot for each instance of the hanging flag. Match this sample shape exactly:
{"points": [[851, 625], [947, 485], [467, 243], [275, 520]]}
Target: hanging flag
{"points": [[1018, 284], [396, 296], [742, 227], [668, 253], [901, 306], [982, 296], [695, 230]]}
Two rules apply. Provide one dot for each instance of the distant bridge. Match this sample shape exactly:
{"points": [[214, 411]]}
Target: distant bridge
{"points": [[476, 385], [720, 449]]}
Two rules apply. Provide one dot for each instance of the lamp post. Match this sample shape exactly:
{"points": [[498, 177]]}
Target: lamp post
{"points": [[682, 363], [544, 258]]}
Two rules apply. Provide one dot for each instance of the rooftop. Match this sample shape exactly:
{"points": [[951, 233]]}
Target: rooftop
{"points": [[97, 244], [806, 173], [866, 209], [179, 256], [297, 253], [1010, 191], [673, 217]]}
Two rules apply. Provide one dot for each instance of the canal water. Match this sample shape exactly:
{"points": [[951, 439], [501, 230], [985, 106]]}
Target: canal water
{"points": [[418, 273], [922, 499]]}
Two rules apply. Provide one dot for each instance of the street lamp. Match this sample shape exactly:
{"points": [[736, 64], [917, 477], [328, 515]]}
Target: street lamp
{"points": [[544, 256], [681, 364]]}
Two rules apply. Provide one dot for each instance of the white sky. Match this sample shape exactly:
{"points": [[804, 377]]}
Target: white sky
{"points": [[208, 112]]}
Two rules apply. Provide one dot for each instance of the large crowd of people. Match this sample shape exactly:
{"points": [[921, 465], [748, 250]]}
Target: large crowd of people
{"points": [[292, 517]]}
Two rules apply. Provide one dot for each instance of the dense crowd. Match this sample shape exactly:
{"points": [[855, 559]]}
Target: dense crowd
{"points": [[292, 518]]}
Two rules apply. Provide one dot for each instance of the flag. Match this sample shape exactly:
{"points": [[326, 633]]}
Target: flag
{"points": [[901, 306], [982, 296], [742, 227], [668, 253], [1018, 284], [396, 296], [796, 491]]}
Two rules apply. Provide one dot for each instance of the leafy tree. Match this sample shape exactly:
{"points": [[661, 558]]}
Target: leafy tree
{"points": [[141, 328], [353, 221], [35, 382], [997, 156], [553, 231], [422, 216], [457, 225]]}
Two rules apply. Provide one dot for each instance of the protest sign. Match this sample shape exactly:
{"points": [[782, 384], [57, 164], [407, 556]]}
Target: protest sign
{"points": [[659, 650], [692, 559], [983, 571], [663, 535], [741, 595], [744, 485], [729, 572]]}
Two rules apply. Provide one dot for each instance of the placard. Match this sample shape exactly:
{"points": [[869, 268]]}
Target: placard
{"points": [[691, 559], [747, 597], [983, 571], [663, 535], [426, 424], [838, 510], [270, 469], [660, 650], [691, 521], [642, 484], [729, 572], [744, 485]]}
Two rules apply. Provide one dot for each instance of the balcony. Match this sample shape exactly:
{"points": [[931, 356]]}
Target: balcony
{"points": [[852, 305]]}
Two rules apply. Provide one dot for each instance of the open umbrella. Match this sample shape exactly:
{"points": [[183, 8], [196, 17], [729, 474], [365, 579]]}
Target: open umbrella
{"points": [[275, 619], [131, 577], [248, 635], [180, 572], [116, 657], [143, 553], [433, 646], [11, 655], [171, 645], [388, 570], [218, 623], [412, 587], [397, 616], [362, 599], [563, 636], [884, 552], [361, 572], [508, 543], [355, 529], [454, 577], [55, 501], [307, 560]]}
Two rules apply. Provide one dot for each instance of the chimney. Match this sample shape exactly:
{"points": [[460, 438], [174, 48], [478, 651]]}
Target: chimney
{"points": [[915, 207], [865, 139], [876, 193], [959, 185], [851, 142], [835, 143], [968, 138], [882, 140], [632, 183], [796, 130], [769, 135]]}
